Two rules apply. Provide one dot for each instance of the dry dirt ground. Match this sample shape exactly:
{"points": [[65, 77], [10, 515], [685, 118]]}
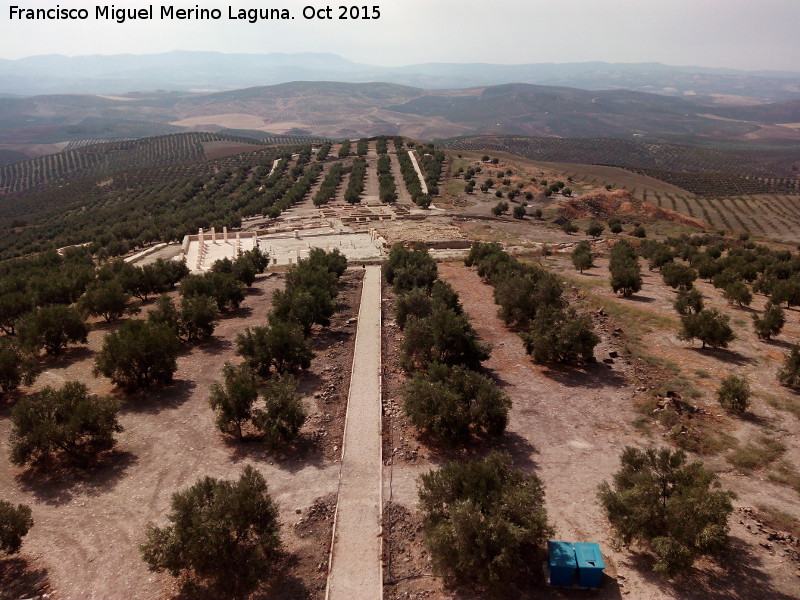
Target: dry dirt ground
{"points": [[569, 426], [88, 523]]}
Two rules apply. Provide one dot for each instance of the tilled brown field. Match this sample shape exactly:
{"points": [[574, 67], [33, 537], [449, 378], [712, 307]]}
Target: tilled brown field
{"points": [[88, 523]]}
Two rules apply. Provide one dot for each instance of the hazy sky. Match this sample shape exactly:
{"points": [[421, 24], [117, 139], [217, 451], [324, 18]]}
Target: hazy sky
{"points": [[744, 34]]}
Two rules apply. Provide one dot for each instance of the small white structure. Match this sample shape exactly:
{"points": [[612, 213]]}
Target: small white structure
{"points": [[204, 249]]}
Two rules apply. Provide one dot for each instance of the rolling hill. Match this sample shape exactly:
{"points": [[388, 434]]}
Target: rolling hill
{"points": [[339, 110], [189, 71]]}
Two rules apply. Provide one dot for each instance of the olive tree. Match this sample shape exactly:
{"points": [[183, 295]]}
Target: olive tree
{"points": [[673, 506], [770, 323], [52, 328], [138, 355], [734, 394], [709, 326], [789, 373], [233, 398], [283, 414], [454, 403], [226, 533], [66, 422], [17, 367], [280, 346], [484, 520], [626, 274]]}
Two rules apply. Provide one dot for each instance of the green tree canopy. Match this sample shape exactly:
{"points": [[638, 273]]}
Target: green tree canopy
{"points": [[226, 533], [52, 327], [770, 323], [15, 522], [734, 394], [626, 274], [560, 335], [67, 422], [280, 346], [233, 398], [484, 521], [444, 337], [789, 373], [673, 506], [709, 326], [283, 414], [138, 355], [106, 299], [453, 403], [16, 366]]}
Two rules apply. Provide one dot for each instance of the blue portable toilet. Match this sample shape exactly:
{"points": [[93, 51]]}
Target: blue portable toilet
{"points": [[561, 560], [590, 564]]}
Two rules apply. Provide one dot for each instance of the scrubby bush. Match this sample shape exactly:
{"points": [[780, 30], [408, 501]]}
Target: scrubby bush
{"points": [[734, 394], [15, 522], [484, 521], [519, 212], [453, 403], [67, 422], [789, 374], [224, 532], [674, 507]]}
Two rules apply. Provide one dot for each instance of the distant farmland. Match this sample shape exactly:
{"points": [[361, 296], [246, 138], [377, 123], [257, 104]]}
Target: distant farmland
{"points": [[697, 170]]}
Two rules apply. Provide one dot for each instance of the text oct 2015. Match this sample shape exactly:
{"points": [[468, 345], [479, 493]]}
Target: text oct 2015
{"points": [[168, 12]]}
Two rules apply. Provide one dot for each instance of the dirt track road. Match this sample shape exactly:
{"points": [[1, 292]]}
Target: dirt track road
{"points": [[355, 569]]}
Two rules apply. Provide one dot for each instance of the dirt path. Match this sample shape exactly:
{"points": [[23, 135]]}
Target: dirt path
{"points": [[422, 183], [355, 567]]}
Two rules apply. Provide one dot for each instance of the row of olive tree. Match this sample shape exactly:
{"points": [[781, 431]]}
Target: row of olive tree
{"points": [[532, 298], [388, 189], [275, 352]]}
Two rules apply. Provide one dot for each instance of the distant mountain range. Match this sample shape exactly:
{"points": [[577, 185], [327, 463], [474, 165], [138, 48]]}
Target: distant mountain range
{"points": [[339, 110], [211, 71]]}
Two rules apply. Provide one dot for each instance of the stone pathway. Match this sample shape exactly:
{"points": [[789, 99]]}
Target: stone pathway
{"points": [[355, 571]]}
